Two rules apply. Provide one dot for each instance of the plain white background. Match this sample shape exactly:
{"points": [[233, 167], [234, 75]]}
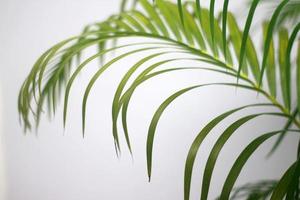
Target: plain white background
{"points": [[60, 165]]}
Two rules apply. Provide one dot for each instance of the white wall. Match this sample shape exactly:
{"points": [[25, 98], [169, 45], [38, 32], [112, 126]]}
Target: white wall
{"points": [[2, 153], [54, 166]]}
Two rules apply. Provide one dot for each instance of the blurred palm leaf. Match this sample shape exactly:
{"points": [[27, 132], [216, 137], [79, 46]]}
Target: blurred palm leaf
{"points": [[254, 191], [290, 15], [193, 33]]}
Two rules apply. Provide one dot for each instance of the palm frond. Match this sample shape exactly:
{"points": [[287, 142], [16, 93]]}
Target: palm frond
{"points": [[193, 32]]}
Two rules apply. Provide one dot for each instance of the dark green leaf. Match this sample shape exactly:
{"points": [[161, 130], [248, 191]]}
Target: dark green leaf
{"points": [[283, 134], [197, 143], [268, 37], [217, 149], [282, 186], [116, 106], [288, 63], [298, 75], [246, 34], [97, 75], [241, 161]]}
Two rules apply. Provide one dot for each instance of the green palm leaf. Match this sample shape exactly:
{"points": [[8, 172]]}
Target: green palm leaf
{"points": [[191, 30], [246, 33], [268, 37], [282, 186]]}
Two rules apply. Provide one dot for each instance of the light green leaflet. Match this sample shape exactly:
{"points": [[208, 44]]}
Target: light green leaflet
{"points": [[167, 14], [67, 58], [270, 63], [215, 42], [224, 27], [44, 60], [153, 15], [131, 20], [204, 13], [212, 23], [118, 22], [218, 40], [193, 29], [184, 28], [218, 33], [59, 70], [51, 54], [283, 43], [252, 59], [236, 39], [144, 20]]}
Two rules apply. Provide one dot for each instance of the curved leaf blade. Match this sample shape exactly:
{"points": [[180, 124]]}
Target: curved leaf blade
{"points": [[270, 63], [198, 141], [298, 76], [214, 154], [282, 186], [268, 37], [246, 34], [288, 63], [283, 43], [224, 27], [241, 161]]}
